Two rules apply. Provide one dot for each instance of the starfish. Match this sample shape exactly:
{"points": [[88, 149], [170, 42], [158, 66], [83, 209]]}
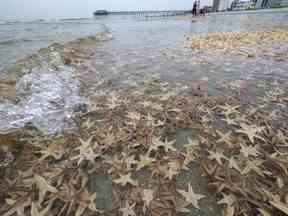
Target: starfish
{"points": [[90, 156], [144, 161], [169, 145], [149, 118], [157, 143], [86, 200], [134, 116], [109, 139], [229, 200], [251, 131], [128, 209], [230, 121], [125, 179], [190, 196], [173, 169], [166, 96], [192, 144], [249, 150], [88, 124], [226, 138], [281, 137], [44, 187], [148, 196], [130, 161], [17, 206], [233, 164], [55, 150], [36, 212], [253, 166], [228, 109], [85, 144], [113, 101], [216, 156]]}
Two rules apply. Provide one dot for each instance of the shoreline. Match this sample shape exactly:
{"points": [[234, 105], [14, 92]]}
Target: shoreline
{"points": [[147, 147]]}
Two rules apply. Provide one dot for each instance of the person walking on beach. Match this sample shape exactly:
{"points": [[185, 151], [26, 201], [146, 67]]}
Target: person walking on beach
{"points": [[194, 10]]}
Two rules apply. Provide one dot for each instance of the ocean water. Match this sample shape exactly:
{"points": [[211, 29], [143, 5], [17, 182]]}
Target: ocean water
{"points": [[140, 44]]}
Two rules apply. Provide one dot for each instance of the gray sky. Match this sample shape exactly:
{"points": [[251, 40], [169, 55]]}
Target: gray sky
{"points": [[34, 9]]}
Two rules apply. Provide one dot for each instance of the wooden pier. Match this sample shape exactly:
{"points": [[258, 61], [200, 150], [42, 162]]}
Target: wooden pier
{"points": [[152, 13]]}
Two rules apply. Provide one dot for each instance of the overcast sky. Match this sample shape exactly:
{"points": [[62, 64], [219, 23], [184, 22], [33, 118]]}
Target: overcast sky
{"points": [[34, 9]]}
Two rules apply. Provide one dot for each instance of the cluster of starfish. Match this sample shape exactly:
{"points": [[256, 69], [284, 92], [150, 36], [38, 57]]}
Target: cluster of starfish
{"points": [[239, 43], [129, 136]]}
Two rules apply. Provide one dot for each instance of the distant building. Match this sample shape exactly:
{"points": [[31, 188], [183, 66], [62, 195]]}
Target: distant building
{"points": [[221, 5], [238, 5], [271, 3]]}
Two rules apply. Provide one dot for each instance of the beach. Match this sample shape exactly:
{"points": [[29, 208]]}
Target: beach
{"points": [[133, 115]]}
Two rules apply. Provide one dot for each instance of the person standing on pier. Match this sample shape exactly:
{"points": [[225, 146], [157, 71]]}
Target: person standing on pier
{"points": [[194, 10]]}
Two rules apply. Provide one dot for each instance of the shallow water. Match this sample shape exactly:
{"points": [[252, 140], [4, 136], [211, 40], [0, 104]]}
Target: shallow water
{"points": [[140, 45]]}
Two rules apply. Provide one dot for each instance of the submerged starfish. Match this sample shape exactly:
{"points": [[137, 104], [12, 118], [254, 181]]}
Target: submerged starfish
{"points": [[226, 138], [251, 131], [86, 201], [190, 196], [233, 164], [36, 212], [173, 169], [249, 150], [157, 143], [85, 144], [125, 179], [144, 161], [44, 187], [229, 110], [134, 116], [148, 196], [229, 200], [218, 156], [128, 209], [253, 166]]}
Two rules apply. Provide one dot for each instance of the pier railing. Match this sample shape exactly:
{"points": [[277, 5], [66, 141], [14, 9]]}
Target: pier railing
{"points": [[152, 13]]}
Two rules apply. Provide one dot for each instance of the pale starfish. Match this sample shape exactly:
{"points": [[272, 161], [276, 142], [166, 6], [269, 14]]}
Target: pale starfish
{"points": [[88, 124], [190, 196], [130, 161], [229, 110], [251, 131], [134, 116], [44, 187], [218, 156], [233, 164], [17, 207], [85, 144], [36, 212], [225, 138], [230, 121], [128, 209], [253, 166], [249, 150], [192, 144], [173, 170], [87, 201], [144, 161], [89, 156], [125, 179], [109, 139], [229, 200], [148, 196], [168, 145], [156, 143]]}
